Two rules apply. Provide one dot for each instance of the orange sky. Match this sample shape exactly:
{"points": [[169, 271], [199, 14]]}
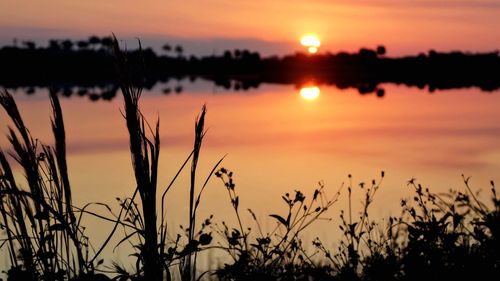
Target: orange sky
{"points": [[403, 26]]}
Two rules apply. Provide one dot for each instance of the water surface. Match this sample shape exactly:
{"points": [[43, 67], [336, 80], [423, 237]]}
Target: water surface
{"points": [[277, 141]]}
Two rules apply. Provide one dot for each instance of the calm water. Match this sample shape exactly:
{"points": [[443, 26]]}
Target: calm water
{"points": [[277, 141]]}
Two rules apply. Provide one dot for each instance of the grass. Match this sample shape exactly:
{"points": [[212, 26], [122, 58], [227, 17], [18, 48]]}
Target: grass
{"points": [[156, 256], [43, 233], [437, 236]]}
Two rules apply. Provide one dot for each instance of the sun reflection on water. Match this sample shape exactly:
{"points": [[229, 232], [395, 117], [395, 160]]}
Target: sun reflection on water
{"points": [[310, 93]]}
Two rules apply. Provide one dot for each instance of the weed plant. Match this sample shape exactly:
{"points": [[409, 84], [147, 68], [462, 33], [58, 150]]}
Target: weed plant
{"points": [[44, 235]]}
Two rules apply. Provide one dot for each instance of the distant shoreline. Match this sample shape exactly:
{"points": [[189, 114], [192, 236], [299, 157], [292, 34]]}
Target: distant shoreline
{"points": [[76, 66]]}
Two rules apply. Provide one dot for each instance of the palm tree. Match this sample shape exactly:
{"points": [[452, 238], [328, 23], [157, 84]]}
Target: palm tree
{"points": [[179, 50], [167, 48]]}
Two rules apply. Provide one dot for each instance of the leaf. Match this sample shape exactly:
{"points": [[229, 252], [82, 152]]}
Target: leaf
{"points": [[205, 239], [352, 228], [46, 238], [280, 219], [126, 238], [57, 227], [43, 215], [46, 255], [236, 202]]}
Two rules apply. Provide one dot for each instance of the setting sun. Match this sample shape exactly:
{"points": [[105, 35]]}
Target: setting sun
{"points": [[312, 50], [310, 93], [312, 43]]}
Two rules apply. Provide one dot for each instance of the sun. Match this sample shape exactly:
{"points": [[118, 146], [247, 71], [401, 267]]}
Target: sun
{"points": [[310, 93], [312, 50], [311, 42]]}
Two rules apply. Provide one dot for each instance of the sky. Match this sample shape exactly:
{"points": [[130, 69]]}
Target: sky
{"points": [[270, 26]]}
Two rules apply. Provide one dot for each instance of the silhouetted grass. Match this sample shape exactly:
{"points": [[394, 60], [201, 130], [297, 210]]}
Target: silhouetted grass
{"points": [[45, 239], [156, 254], [44, 236]]}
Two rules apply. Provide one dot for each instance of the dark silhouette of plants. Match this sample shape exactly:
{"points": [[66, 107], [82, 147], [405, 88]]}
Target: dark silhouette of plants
{"points": [[359, 233], [145, 152], [155, 253], [451, 235], [381, 51], [44, 236], [279, 254], [179, 50], [166, 48]]}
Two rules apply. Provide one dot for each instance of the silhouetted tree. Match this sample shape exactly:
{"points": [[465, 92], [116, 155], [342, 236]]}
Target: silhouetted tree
{"points": [[67, 44], [380, 93], [67, 92], [29, 45], [107, 42], [82, 91], [237, 53], [245, 54], [228, 55], [94, 40], [54, 44], [367, 53], [167, 48], [30, 90], [179, 50], [381, 50], [82, 45]]}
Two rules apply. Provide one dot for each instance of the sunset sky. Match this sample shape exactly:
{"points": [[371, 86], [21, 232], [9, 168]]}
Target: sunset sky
{"points": [[272, 26]]}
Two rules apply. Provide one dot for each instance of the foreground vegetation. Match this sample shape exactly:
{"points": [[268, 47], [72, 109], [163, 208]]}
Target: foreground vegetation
{"points": [[437, 236]]}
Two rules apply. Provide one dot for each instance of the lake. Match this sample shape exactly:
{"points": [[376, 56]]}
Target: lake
{"points": [[278, 139]]}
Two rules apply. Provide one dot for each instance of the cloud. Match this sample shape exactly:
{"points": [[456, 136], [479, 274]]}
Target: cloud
{"points": [[444, 4]]}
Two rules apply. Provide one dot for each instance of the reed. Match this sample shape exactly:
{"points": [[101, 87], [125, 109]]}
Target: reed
{"points": [[40, 221], [157, 254]]}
